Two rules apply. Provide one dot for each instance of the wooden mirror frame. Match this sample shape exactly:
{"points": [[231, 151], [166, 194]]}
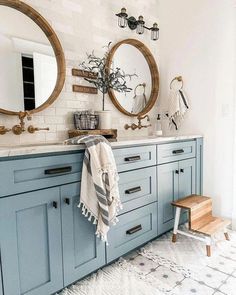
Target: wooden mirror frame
{"points": [[55, 43], [154, 75]]}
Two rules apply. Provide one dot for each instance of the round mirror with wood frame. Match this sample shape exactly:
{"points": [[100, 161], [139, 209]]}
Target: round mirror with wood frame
{"points": [[56, 46], [151, 66]]}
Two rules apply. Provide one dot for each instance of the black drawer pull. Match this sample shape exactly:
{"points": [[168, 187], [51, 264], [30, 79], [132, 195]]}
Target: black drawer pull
{"points": [[134, 229], [54, 204], [133, 190], [58, 170], [67, 201], [176, 152], [134, 158]]}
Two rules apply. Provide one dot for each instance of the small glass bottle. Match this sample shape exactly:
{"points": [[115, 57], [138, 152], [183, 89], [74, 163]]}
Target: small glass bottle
{"points": [[158, 126]]}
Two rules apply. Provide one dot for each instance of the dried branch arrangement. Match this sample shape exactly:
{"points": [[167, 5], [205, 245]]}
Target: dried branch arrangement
{"points": [[105, 78]]}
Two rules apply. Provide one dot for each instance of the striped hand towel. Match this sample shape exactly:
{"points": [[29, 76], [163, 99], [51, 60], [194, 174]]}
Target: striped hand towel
{"points": [[99, 195], [178, 106]]}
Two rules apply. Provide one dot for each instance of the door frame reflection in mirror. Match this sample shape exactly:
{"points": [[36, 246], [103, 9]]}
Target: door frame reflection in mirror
{"points": [[153, 71], [56, 45]]}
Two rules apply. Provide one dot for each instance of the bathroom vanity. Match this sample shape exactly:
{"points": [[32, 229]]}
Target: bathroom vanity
{"points": [[45, 241]]}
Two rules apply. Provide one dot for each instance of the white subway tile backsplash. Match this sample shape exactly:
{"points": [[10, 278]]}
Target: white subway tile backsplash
{"points": [[82, 26]]}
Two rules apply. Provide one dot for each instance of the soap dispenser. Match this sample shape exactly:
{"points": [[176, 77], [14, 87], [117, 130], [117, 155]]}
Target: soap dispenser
{"points": [[158, 126]]}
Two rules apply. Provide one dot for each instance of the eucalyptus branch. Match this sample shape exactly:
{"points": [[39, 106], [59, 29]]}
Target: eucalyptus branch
{"points": [[106, 78]]}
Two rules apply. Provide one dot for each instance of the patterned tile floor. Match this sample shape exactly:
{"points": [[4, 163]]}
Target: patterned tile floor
{"points": [[210, 276]]}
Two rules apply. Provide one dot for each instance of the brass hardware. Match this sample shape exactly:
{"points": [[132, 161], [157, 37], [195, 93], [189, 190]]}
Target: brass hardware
{"points": [[139, 125], [32, 129], [4, 130], [20, 128], [179, 79]]}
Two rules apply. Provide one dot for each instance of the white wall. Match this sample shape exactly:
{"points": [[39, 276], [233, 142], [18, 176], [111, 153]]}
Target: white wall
{"points": [[83, 25], [198, 42]]}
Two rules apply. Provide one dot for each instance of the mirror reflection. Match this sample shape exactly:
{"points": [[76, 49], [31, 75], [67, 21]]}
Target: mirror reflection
{"points": [[132, 61], [28, 65]]}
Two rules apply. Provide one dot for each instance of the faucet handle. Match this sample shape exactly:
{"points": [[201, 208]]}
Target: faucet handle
{"points": [[4, 130], [32, 129]]}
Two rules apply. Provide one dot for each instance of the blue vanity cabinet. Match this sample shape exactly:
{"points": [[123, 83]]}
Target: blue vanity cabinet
{"points": [[174, 181], [1, 286], [30, 242], [82, 251]]}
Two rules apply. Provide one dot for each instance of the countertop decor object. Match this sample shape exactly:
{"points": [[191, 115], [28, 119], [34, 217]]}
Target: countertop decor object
{"points": [[136, 24], [110, 134], [105, 76], [38, 76]]}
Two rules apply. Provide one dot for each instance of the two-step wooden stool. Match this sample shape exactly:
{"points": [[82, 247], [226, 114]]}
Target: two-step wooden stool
{"points": [[200, 220]]}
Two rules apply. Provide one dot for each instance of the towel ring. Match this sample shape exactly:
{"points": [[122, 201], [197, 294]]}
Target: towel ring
{"points": [[140, 85], [179, 79]]}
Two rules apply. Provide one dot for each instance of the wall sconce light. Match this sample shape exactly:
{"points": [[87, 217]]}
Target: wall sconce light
{"points": [[136, 24]]}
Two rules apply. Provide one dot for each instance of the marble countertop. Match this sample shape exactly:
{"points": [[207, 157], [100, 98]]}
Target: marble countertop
{"points": [[56, 147]]}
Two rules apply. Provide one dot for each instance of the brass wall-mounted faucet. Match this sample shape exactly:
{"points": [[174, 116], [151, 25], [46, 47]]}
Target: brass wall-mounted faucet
{"points": [[18, 129], [139, 125]]}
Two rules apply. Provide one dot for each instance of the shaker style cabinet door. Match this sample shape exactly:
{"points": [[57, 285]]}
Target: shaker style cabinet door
{"points": [[82, 251], [187, 178], [30, 239], [168, 190], [1, 286]]}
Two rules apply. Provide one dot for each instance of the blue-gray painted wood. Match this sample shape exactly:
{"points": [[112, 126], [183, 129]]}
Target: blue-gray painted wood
{"points": [[31, 243], [187, 182], [143, 180], [26, 175], [147, 156], [199, 166], [82, 251], [184, 150], [34, 262], [120, 242], [1, 285], [171, 187], [168, 191]]}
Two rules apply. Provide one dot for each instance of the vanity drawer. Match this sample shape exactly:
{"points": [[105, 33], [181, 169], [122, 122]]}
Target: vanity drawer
{"points": [[24, 175], [135, 157], [176, 151], [133, 229], [137, 188]]}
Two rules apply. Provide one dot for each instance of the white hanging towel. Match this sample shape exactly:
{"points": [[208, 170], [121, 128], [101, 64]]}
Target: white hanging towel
{"points": [[178, 106]]}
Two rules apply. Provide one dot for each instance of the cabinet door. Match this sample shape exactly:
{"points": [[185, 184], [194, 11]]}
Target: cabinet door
{"points": [[31, 243], [1, 286], [187, 178], [167, 187], [187, 182], [82, 251]]}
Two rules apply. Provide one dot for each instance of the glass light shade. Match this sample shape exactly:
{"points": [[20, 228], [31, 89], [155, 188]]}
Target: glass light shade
{"points": [[140, 25], [155, 32], [122, 22], [122, 18]]}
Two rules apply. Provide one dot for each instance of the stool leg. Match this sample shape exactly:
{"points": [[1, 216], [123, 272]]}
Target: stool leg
{"points": [[176, 225], [226, 235], [208, 246]]}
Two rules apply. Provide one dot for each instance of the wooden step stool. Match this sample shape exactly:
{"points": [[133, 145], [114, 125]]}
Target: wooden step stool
{"points": [[200, 219]]}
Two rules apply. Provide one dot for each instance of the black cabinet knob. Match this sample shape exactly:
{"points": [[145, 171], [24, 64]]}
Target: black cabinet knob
{"points": [[176, 171], [67, 201], [54, 204], [182, 170]]}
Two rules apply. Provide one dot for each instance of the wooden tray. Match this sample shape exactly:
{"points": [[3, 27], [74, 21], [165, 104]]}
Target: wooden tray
{"points": [[107, 133]]}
